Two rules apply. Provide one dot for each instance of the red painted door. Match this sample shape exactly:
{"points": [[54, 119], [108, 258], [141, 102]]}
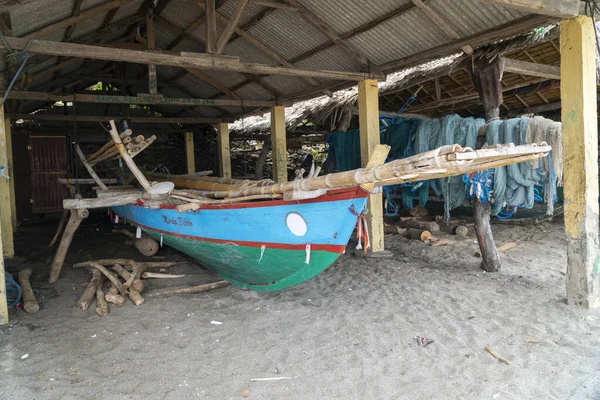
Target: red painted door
{"points": [[49, 161]]}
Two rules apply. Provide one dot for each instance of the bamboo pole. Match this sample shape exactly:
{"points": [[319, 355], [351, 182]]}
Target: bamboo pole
{"points": [[127, 158], [89, 168], [109, 145]]}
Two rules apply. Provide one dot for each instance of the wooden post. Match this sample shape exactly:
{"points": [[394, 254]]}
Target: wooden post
{"points": [[368, 109], [224, 153], [580, 155], [487, 79], [6, 218], [59, 258], [278, 144], [3, 301], [9, 154], [189, 152], [151, 45]]}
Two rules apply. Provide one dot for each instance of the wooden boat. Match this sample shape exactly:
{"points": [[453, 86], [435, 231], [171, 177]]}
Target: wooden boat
{"points": [[264, 246]]}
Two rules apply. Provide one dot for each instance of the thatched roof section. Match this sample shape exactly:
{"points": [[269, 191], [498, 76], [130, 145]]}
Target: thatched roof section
{"points": [[321, 109]]}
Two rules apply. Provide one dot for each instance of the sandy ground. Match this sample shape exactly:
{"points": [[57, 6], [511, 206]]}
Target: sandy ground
{"points": [[347, 334]]}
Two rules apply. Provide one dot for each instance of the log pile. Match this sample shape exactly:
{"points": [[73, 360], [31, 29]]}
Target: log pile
{"points": [[113, 281]]}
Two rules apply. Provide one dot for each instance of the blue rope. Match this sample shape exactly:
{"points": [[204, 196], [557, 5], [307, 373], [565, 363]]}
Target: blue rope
{"points": [[13, 291], [479, 185], [390, 205], [13, 54]]}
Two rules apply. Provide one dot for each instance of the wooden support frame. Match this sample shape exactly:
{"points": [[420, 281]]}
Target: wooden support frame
{"points": [[553, 8], [368, 109], [224, 150], [531, 69], [107, 118], [151, 45], [279, 144], [233, 23], [6, 218], [190, 159], [211, 26], [191, 60], [156, 100], [580, 155]]}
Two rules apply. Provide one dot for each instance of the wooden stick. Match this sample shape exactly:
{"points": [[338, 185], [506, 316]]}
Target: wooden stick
{"points": [[30, 303], [114, 297], [277, 378], [194, 289], [418, 234], [111, 277], [126, 262], [504, 360], [502, 249], [89, 168], [127, 158], [101, 304], [136, 297], [90, 291], [59, 258], [155, 275], [61, 225]]}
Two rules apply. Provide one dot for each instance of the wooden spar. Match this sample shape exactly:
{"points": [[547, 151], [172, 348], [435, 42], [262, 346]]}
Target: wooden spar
{"points": [[89, 168], [107, 118], [59, 258], [531, 69], [224, 152], [580, 152], [191, 60], [71, 204], [86, 181], [6, 218], [278, 144], [189, 152], [127, 158]]}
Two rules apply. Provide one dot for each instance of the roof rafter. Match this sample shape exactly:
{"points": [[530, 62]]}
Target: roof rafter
{"points": [[230, 27]]}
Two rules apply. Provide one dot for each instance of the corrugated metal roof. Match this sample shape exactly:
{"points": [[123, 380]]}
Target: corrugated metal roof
{"points": [[34, 16], [182, 13]]}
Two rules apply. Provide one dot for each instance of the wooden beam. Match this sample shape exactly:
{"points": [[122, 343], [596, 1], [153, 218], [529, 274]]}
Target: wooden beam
{"points": [[65, 23], [324, 27], [224, 150], [190, 60], [211, 26], [189, 152], [278, 144], [552, 8], [531, 69], [107, 118], [3, 301], [580, 155], [156, 100], [368, 109], [275, 4], [5, 192], [151, 45], [71, 28], [230, 27]]}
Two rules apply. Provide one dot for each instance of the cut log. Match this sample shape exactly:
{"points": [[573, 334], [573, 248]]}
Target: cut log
{"points": [[30, 304], [427, 226], [90, 291], [393, 229], [101, 304], [194, 289], [130, 278], [460, 230], [418, 234], [136, 297], [59, 258], [147, 246], [113, 297]]}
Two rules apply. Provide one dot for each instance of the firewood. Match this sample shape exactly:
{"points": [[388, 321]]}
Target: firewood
{"points": [[135, 296], [61, 225], [90, 291], [130, 280], [502, 249], [113, 297], [194, 289], [418, 234], [150, 275], [126, 263], [393, 229], [101, 304], [147, 246], [30, 304], [437, 242], [111, 277]]}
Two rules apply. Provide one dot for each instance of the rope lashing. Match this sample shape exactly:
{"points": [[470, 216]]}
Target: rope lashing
{"points": [[12, 58], [362, 230]]}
